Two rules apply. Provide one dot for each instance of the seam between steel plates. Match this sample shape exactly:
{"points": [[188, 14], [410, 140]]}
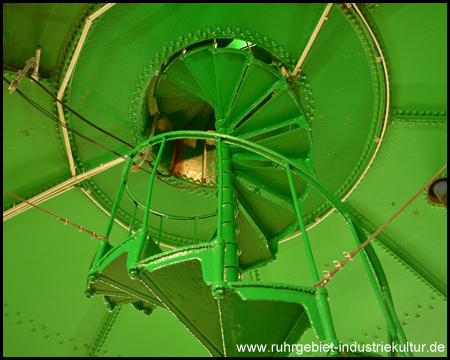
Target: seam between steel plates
{"points": [[102, 333]]}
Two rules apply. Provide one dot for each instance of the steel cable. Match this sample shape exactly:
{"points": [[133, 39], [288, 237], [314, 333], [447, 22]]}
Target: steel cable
{"points": [[66, 221], [340, 265]]}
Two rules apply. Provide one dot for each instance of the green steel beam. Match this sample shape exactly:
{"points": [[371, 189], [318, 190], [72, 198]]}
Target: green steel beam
{"points": [[103, 331], [419, 116], [398, 252]]}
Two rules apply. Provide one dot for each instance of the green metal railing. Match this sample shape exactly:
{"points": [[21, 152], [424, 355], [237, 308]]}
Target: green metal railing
{"points": [[226, 262]]}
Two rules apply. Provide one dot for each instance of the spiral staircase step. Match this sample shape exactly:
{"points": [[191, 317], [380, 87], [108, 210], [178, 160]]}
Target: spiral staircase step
{"points": [[230, 69], [281, 107], [178, 73], [254, 252], [270, 218], [252, 160], [167, 88], [186, 292], [274, 181], [257, 313], [115, 275], [293, 144], [257, 84], [169, 106], [200, 62], [120, 300], [201, 119], [222, 322], [182, 117], [105, 289]]}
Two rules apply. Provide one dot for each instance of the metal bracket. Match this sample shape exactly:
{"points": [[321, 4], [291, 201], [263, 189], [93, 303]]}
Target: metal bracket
{"points": [[31, 63], [348, 256], [327, 276]]}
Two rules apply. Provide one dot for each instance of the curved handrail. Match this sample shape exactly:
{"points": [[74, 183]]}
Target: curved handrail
{"points": [[247, 145]]}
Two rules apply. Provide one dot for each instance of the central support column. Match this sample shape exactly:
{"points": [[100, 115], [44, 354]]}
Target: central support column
{"points": [[228, 212]]}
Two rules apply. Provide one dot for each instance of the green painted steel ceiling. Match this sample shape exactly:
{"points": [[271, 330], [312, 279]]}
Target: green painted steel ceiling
{"points": [[340, 91]]}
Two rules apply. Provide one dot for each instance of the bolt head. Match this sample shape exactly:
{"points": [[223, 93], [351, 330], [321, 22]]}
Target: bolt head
{"points": [[93, 277], [219, 293], [134, 273]]}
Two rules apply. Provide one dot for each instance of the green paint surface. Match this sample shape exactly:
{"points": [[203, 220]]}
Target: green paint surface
{"points": [[45, 312]]}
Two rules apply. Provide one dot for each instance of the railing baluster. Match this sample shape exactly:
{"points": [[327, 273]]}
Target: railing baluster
{"points": [[118, 197], [298, 212], [132, 219], [195, 231], [321, 293], [142, 233], [160, 229], [150, 185], [376, 286]]}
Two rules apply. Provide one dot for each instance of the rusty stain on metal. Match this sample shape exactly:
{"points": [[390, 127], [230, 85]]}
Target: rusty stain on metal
{"points": [[178, 157], [164, 125], [191, 143]]}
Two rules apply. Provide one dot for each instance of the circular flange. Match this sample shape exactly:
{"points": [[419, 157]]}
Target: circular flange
{"points": [[431, 193]]}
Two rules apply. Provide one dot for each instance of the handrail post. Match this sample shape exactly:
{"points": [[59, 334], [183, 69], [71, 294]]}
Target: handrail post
{"points": [[321, 293], [325, 317], [195, 231], [150, 184], [298, 212], [160, 229], [376, 287], [119, 196], [132, 219], [104, 245], [142, 233]]}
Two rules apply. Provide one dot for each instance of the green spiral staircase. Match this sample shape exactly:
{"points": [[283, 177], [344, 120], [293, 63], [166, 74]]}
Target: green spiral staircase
{"points": [[239, 102]]}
